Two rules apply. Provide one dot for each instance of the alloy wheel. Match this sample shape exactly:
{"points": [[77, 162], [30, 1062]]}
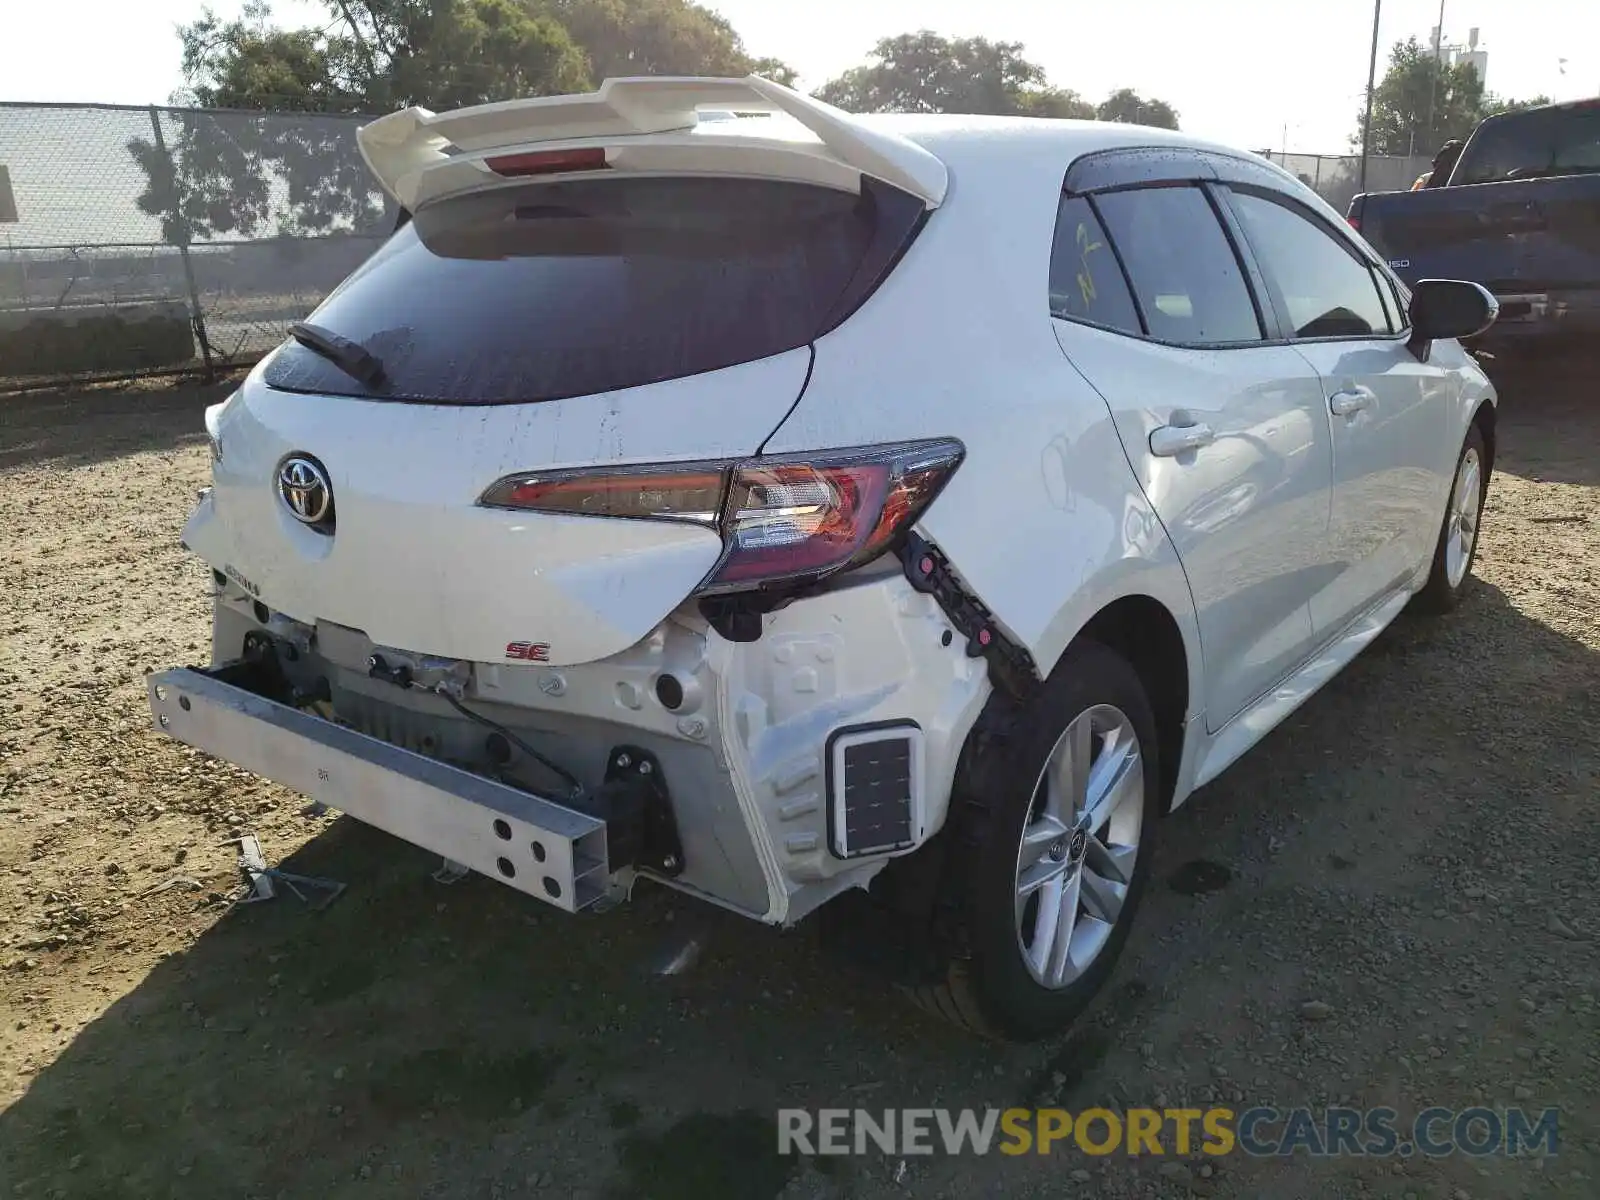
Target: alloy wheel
{"points": [[1461, 525], [1076, 859]]}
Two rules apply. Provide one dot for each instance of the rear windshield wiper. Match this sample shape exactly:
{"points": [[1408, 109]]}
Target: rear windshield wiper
{"points": [[350, 357]]}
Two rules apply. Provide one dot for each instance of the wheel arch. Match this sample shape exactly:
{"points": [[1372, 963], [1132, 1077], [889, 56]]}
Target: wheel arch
{"points": [[1485, 419], [1141, 631]]}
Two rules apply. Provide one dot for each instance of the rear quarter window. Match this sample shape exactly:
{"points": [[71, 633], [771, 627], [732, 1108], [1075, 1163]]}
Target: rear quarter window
{"points": [[575, 287], [1086, 280]]}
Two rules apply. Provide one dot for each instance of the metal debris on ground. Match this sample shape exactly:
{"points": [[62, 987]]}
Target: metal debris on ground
{"points": [[261, 878], [194, 885]]}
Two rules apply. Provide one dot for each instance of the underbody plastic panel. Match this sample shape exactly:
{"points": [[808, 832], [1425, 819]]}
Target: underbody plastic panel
{"points": [[414, 561]]}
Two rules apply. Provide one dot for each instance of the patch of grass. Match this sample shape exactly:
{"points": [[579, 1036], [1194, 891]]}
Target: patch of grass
{"points": [[707, 1156]]}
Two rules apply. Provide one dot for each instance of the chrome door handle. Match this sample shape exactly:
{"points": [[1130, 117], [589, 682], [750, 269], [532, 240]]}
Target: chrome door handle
{"points": [[1348, 404], [1171, 440]]}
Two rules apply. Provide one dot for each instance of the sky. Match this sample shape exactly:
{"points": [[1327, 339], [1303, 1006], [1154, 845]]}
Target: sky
{"points": [[1256, 74]]}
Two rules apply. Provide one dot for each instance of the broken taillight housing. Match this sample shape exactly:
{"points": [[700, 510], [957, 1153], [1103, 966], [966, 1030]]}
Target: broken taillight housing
{"points": [[794, 518]]}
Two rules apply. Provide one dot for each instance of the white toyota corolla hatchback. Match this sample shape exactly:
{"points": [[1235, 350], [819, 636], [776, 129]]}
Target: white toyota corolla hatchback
{"points": [[800, 507]]}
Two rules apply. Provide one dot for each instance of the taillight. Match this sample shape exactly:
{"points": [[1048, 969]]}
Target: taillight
{"points": [[653, 493], [784, 519]]}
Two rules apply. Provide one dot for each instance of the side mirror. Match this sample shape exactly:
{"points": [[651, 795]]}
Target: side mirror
{"points": [[1449, 308]]}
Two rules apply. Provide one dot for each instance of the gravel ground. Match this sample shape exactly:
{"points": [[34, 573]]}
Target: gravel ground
{"points": [[1413, 855]]}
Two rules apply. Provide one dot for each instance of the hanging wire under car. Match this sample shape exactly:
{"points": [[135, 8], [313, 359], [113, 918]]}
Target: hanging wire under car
{"points": [[547, 763]]}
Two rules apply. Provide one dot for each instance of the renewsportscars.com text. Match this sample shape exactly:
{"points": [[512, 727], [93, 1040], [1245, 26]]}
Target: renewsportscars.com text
{"points": [[1258, 1132]]}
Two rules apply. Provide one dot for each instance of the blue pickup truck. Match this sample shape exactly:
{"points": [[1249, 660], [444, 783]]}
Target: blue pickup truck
{"points": [[1520, 214]]}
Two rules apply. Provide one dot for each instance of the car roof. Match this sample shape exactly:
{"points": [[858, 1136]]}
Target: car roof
{"points": [[953, 136], [1036, 151]]}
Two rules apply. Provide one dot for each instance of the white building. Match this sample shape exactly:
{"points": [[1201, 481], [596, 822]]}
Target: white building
{"points": [[1469, 54]]}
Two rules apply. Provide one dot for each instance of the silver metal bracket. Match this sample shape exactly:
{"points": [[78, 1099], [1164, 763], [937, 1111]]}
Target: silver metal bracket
{"points": [[451, 871]]}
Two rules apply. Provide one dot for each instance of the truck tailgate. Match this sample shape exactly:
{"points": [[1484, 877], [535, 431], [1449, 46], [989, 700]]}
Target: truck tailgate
{"points": [[1515, 237]]}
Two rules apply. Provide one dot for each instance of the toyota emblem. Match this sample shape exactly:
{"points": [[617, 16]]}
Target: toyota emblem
{"points": [[305, 491]]}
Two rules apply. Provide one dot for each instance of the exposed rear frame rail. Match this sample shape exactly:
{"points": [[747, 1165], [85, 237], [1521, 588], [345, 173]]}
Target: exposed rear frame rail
{"points": [[539, 847]]}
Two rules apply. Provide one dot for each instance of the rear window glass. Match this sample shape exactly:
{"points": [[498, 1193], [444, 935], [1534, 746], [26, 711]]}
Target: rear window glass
{"points": [[1560, 141], [569, 288]]}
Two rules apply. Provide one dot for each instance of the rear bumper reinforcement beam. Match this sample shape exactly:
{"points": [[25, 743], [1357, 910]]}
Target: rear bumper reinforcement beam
{"points": [[537, 846]]}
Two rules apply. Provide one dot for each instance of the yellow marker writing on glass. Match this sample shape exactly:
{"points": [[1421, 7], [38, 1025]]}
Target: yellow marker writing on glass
{"points": [[1086, 246]]}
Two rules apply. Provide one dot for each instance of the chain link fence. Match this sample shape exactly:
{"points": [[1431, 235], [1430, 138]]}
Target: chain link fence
{"points": [[150, 239], [1337, 177]]}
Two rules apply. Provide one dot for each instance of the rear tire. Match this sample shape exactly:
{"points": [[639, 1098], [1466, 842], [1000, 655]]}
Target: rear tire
{"points": [[1052, 832], [1457, 547]]}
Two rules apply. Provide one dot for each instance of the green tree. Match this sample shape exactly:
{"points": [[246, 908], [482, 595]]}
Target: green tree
{"points": [[247, 63], [1127, 106], [925, 73], [654, 37], [445, 54], [233, 175], [1422, 103], [776, 70], [1495, 105]]}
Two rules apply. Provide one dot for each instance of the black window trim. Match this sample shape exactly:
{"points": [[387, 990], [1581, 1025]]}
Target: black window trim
{"points": [[1340, 237], [1268, 324], [1218, 174], [1386, 298], [1399, 291], [1122, 273], [1274, 325], [1122, 267]]}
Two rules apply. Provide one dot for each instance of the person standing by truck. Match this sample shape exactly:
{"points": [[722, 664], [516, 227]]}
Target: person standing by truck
{"points": [[1443, 163]]}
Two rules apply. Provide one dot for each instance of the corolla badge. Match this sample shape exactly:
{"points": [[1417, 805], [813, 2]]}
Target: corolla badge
{"points": [[305, 491]]}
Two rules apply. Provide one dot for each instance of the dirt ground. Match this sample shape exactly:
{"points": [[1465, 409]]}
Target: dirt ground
{"points": [[1416, 849]]}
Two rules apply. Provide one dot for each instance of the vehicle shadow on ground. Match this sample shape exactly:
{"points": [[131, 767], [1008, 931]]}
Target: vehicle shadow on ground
{"points": [[415, 1038], [1549, 420], [75, 427]]}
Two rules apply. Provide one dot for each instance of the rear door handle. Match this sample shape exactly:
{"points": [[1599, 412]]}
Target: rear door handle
{"points": [[1171, 440], [1348, 404]]}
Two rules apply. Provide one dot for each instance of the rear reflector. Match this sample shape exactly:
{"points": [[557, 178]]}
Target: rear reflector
{"points": [[875, 794], [786, 519], [548, 162]]}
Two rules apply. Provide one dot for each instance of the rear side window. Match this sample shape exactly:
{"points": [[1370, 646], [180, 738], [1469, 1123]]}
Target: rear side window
{"points": [[1533, 145], [1185, 276], [550, 290], [1325, 289], [1086, 281]]}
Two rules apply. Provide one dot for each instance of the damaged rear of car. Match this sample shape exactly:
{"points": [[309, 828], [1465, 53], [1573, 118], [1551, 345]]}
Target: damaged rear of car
{"points": [[499, 563], [716, 502]]}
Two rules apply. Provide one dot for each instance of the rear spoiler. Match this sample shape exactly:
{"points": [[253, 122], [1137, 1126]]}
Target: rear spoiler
{"points": [[403, 146]]}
